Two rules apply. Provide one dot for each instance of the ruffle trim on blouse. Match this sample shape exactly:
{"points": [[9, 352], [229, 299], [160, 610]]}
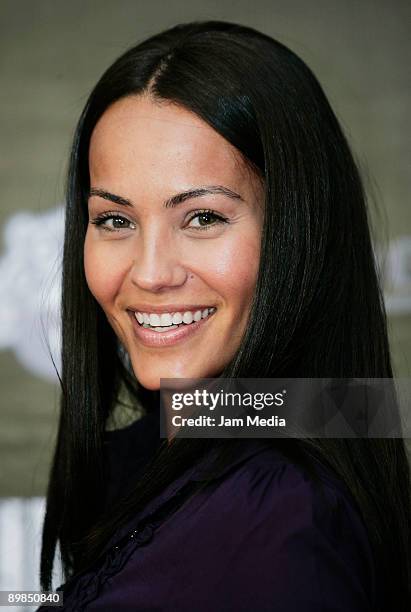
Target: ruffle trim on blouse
{"points": [[85, 589]]}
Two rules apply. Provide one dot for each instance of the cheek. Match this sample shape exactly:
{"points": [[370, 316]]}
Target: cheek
{"points": [[231, 269], [103, 275]]}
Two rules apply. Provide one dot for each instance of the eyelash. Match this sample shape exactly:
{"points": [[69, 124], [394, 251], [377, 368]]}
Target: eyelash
{"points": [[100, 219]]}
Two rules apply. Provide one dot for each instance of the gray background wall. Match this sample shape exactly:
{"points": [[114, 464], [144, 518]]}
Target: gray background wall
{"points": [[52, 53]]}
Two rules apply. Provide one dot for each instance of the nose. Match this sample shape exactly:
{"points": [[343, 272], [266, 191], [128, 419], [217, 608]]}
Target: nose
{"points": [[157, 265]]}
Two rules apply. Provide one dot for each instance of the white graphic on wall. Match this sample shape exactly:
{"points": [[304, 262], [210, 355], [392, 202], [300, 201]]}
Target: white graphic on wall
{"points": [[397, 276], [30, 272]]}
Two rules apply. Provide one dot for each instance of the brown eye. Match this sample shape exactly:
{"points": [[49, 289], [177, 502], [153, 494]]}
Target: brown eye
{"points": [[206, 219], [118, 222]]}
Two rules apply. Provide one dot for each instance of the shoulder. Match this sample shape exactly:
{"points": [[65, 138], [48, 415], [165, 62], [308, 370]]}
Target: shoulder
{"points": [[307, 540], [269, 478]]}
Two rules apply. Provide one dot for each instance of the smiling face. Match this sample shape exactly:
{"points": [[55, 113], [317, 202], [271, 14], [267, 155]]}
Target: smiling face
{"points": [[155, 251]]}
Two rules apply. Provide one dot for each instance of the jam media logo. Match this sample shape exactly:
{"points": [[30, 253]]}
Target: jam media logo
{"points": [[285, 407], [30, 272]]}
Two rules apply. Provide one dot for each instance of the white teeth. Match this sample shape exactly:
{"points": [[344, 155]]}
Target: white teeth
{"points": [[188, 317], [162, 329], [166, 319], [169, 321], [154, 320], [177, 318]]}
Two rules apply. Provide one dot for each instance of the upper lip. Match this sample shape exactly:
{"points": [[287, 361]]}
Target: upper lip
{"points": [[168, 307]]}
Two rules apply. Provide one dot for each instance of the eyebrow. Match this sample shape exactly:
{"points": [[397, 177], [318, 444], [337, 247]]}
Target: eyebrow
{"points": [[175, 200]]}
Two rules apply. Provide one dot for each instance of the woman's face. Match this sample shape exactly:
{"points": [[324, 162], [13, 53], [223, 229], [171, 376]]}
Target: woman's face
{"points": [[156, 257]]}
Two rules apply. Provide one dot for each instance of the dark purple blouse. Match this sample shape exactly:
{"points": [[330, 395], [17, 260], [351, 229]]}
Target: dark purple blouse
{"points": [[260, 537]]}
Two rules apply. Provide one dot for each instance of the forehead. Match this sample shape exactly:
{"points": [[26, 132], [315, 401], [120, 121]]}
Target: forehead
{"points": [[137, 138]]}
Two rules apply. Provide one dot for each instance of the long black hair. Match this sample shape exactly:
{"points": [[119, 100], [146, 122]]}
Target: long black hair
{"points": [[317, 309]]}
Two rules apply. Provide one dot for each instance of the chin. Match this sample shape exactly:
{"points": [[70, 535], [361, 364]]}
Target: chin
{"points": [[150, 384], [153, 384]]}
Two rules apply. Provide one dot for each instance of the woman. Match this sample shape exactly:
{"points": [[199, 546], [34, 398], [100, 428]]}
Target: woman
{"points": [[210, 180]]}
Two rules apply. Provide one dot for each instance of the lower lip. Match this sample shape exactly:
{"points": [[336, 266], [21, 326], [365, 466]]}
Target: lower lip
{"points": [[169, 338]]}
